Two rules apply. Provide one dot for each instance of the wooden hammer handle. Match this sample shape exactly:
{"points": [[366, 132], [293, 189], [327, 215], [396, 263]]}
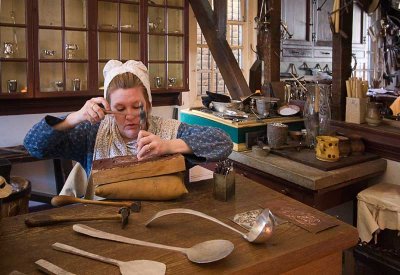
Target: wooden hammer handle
{"points": [[43, 220], [66, 200]]}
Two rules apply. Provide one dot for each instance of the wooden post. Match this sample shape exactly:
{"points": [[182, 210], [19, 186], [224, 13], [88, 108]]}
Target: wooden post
{"points": [[219, 48], [220, 10], [341, 62], [273, 46]]}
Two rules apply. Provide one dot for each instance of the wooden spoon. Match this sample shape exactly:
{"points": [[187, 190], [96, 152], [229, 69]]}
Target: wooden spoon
{"points": [[205, 252], [136, 267]]}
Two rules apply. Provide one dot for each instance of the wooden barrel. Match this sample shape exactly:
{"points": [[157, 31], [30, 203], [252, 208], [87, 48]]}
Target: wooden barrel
{"points": [[18, 202]]}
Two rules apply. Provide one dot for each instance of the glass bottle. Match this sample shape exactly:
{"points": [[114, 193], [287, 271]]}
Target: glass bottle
{"points": [[311, 120], [324, 109]]}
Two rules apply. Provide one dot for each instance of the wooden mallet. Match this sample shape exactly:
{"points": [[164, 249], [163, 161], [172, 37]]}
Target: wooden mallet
{"points": [[66, 200]]}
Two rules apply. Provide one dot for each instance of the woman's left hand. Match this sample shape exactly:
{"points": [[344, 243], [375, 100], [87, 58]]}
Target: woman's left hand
{"points": [[150, 145]]}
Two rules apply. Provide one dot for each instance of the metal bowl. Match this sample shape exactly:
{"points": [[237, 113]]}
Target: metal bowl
{"points": [[223, 106]]}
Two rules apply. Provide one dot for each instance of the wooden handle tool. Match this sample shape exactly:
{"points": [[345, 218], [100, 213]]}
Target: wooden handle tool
{"points": [[66, 200], [50, 268], [44, 220]]}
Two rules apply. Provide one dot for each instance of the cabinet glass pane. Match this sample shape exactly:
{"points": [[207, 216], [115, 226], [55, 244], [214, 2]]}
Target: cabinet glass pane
{"points": [[175, 75], [175, 21], [49, 12], [324, 32], [76, 77], [100, 76], [130, 46], [156, 21], [75, 45], [156, 47], [12, 12], [156, 2], [107, 15], [51, 77], [157, 75], [129, 17], [108, 45], [75, 13], [50, 44], [178, 3], [13, 42], [175, 48], [13, 77]]}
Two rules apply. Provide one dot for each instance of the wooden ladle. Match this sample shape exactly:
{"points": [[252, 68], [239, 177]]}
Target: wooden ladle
{"points": [[136, 267], [205, 252]]}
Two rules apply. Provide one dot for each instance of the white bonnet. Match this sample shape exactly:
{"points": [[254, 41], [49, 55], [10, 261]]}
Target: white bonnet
{"points": [[115, 67]]}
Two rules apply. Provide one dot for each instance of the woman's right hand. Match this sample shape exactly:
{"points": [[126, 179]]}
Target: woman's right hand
{"points": [[91, 111]]}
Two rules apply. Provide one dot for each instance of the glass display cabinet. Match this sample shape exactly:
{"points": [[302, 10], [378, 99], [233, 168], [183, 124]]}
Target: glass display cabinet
{"points": [[166, 44], [14, 73], [58, 48], [62, 47]]}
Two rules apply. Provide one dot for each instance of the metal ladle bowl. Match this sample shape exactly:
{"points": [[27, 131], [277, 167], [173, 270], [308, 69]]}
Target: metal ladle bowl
{"points": [[260, 232]]}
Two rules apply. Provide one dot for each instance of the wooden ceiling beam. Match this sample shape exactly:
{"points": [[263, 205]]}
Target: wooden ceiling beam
{"points": [[209, 22]]}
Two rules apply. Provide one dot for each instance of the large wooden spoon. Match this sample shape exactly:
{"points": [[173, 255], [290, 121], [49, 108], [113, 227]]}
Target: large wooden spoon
{"points": [[205, 252], [136, 267]]}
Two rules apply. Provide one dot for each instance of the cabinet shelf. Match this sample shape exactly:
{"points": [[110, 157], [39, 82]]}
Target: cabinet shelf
{"points": [[4, 59]]}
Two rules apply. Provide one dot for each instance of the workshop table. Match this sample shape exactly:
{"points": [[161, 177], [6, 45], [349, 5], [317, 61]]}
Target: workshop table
{"points": [[291, 250], [314, 187]]}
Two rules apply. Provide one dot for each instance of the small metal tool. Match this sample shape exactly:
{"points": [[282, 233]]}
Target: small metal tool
{"points": [[142, 115]]}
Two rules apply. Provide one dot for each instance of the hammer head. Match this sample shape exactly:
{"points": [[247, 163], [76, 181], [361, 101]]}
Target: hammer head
{"points": [[136, 206], [124, 212]]}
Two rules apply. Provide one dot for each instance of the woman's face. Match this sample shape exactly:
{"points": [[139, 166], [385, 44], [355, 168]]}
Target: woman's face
{"points": [[127, 101]]}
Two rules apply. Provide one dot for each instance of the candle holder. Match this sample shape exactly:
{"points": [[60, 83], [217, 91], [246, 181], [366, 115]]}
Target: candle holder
{"points": [[70, 50], [171, 81], [8, 49]]}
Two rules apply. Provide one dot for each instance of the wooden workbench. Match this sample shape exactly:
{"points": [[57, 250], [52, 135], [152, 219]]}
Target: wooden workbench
{"points": [[291, 250], [317, 188]]}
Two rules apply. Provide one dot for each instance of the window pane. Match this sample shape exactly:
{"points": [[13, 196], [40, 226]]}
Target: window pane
{"points": [[219, 83], [234, 12], [235, 35], [203, 83]]}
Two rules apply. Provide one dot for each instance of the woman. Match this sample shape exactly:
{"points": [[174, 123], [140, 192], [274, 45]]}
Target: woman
{"points": [[90, 133]]}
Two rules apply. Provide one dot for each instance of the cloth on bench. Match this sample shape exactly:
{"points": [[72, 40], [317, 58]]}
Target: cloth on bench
{"points": [[378, 209]]}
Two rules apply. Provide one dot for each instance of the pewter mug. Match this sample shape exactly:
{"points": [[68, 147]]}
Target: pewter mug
{"points": [[12, 85], [158, 81], [277, 134], [76, 84]]}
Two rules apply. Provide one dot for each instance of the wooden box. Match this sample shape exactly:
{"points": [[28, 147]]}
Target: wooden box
{"points": [[356, 109]]}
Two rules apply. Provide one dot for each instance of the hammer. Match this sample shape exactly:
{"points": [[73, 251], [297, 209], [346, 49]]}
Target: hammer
{"points": [[65, 200], [43, 220]]}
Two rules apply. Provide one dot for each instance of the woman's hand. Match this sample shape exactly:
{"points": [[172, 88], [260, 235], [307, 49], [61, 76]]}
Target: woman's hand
{"points": [[91, 111], [150, 145]]}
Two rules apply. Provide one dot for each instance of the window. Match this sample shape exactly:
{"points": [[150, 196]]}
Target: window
{"points": [[208, 77]]}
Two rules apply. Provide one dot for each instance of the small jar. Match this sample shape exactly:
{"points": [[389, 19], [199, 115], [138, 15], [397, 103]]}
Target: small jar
{"points": [[344, 146], [373, 117]]}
